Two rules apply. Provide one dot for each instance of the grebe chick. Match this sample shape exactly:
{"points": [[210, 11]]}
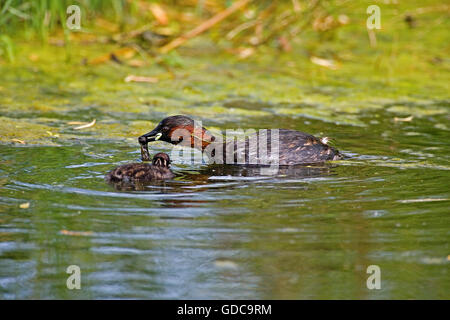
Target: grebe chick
{"points": [[143, 172]]}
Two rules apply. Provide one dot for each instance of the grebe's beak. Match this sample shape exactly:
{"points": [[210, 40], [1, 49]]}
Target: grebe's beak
{"points": [[149, 137]]}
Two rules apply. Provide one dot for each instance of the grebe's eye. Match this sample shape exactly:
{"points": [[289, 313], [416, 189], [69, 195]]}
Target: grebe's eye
{"points": [[165, 128]]}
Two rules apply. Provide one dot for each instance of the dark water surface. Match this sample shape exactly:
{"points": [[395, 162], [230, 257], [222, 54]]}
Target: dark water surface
{"points": [[217, 232]]}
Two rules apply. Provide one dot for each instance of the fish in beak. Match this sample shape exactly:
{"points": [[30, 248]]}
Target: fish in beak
{"points": [[153, 135], [145, 155]]}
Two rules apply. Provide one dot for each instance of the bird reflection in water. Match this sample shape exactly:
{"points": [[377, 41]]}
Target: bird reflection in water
{"points": [[186, 181]]}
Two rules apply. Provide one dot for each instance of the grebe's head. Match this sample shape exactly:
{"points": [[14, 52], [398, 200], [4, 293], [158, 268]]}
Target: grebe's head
{"points": [[178, 130], [161, 160]]}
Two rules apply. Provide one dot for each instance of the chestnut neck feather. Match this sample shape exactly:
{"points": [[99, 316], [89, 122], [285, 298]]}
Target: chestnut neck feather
{"points": [[200, 138]]}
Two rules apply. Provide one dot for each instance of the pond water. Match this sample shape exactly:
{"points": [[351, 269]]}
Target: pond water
{"points": [[220, 232]]}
